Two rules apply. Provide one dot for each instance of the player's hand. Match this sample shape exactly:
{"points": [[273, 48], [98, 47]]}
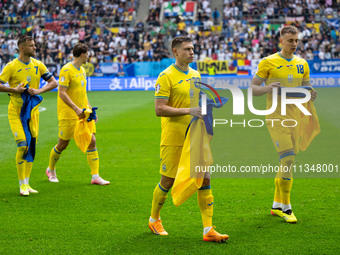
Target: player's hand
{"points": [[19, 89], [33, 92], [269, 88], [80, 113], [313, 95], [197, 112]]}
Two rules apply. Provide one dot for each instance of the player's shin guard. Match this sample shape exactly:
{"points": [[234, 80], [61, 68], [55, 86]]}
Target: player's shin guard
{"points": [[54, 157], [93, 160], [159, 197], [205, 202], [285, 180], [20, 162]]}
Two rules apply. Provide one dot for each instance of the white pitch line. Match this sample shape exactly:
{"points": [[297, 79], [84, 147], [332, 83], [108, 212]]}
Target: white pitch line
{"points": [[41, 109]]}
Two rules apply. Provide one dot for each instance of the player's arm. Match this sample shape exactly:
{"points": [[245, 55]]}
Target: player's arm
{"points": [[48, 77], [52, 84], [260, 76], [306, 81], [5, 76], [164, 110], [67, 100], [259, 90], [18, 89]]}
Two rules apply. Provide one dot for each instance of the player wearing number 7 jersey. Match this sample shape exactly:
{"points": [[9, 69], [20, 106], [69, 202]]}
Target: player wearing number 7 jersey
{"points": [[25, 70], [284, 69]]}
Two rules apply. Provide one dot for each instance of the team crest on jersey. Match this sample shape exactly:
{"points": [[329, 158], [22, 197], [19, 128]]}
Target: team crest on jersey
{"points": [[28, 78], [290, 78], [191, 93], [62, 78], [28, 68], [158, 87]]}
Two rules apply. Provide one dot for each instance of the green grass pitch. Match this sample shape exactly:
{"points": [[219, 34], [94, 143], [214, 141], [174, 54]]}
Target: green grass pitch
{"points": [[74, 217]]}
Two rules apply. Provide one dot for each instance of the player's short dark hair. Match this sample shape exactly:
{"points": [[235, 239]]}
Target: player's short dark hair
{"points": [[79, 49], [177, 41], [23, 39], [289, 30]]}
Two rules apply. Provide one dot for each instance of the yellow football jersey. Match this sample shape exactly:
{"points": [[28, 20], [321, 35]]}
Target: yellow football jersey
{"points": [[289, 73], [17, 71], [75, 81], [177, 86]]}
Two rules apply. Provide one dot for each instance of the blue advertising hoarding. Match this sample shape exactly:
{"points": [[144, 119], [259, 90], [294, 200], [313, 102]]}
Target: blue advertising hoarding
{"points": [[324, 66], [148, 83]]}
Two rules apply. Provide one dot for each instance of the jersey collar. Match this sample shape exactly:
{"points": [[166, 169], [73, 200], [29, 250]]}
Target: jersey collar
{"points": [[24, 62], [75, 66], [185, 72], [279, 53]]}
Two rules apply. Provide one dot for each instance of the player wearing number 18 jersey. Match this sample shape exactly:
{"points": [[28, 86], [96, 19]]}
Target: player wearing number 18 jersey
{"points": [[283, 69]]}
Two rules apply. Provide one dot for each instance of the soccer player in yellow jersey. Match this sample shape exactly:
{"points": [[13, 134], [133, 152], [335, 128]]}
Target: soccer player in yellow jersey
{"points": [[24, 69], [172, 104], [283, 69], [72, 99]]}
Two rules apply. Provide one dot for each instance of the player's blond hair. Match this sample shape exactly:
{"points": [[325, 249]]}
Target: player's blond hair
{"points": [[289, 30]]}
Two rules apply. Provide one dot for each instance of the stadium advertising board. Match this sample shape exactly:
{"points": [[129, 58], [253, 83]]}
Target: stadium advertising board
{"points": [[325, 66], [221, 67], [148, 83]]}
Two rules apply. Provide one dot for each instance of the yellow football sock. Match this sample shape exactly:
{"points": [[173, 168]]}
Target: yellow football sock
{"points": [[28, 170], [205, 202], [54, 157], [285, 181], [20, 162], [93, 160], [277, 195], [159, 197]]}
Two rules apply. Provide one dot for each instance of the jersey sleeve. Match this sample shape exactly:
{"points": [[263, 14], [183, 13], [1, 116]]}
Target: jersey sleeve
{"points": [[262, 70], [306, 78], [64, 77], [163, 87], [6, 74], [44, 72]]}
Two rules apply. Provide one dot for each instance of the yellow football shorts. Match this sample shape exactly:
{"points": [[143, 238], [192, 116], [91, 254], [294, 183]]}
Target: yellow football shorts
{"points": [[284, 138], [16, 125], [67, 127], [170, 156]]}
